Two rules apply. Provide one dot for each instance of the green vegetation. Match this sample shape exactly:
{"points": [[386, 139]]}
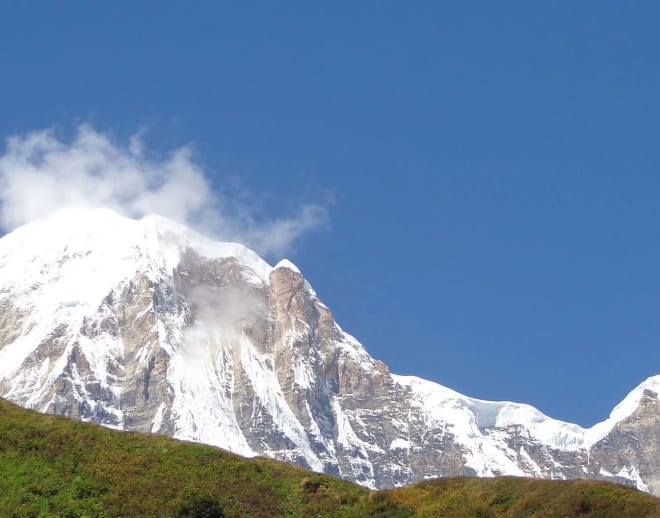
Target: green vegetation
{"points": [[56, 467], [513, 497]]}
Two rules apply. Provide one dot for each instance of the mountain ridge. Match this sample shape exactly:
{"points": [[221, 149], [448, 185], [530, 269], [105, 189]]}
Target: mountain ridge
{"points": [[150, 326]]}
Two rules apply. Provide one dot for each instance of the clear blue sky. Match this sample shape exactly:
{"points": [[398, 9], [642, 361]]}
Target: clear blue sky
{"points": [[491, 169]]}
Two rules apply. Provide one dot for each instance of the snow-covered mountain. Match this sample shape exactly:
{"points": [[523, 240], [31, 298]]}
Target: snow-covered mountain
{"points": [[146, 325]]}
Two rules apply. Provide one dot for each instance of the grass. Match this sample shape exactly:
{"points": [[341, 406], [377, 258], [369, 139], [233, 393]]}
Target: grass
{"points": [[57, 467], [513, 497]]}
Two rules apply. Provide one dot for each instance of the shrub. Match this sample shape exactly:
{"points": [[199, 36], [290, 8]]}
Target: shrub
{"points": [[197, 506]]}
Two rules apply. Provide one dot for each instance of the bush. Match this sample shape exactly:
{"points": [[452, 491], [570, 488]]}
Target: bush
{"points": [[199, 507]]}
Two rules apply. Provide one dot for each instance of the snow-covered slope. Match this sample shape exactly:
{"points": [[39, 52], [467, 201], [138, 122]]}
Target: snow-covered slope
{"points": [[147, 325]]}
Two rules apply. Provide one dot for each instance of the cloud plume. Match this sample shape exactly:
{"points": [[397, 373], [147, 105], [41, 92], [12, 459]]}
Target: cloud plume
{"points": [[40, 174]]}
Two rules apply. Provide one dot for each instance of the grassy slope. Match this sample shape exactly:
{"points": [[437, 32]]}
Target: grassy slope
{"points": [[51, 466]]}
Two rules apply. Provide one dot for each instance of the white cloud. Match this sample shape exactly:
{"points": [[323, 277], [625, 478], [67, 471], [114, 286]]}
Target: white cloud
{"points": [[40, 174]]}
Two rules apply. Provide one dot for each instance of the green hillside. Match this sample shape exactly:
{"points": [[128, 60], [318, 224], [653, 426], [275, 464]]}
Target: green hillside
{"points": [[56, 467]]}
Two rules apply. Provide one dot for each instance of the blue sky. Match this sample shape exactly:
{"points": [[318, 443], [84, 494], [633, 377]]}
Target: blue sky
{"points": [[490, 170]]}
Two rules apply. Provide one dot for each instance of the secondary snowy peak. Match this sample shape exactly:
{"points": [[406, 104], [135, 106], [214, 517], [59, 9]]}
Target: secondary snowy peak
{"points": [[147, 325], [624, 410], [285, 263]]}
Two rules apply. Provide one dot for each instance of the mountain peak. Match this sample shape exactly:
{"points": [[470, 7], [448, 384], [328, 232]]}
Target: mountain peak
{"points": [[147, 325], [285, 263]]}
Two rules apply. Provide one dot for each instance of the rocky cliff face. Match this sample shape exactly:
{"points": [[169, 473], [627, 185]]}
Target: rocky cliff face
{"points": [[143, 325], [632, 447]]}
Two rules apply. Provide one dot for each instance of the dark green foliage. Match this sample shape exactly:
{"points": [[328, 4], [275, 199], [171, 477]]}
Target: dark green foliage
{"points": [[197, 506], [56, 467]]}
